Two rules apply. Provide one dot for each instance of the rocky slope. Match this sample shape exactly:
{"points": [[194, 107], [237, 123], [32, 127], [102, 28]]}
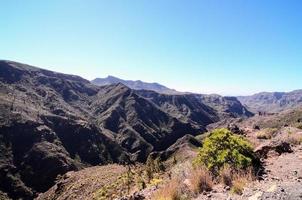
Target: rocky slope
{"points": [[136, 85], [198, 109], [51, 123], [272, 101]]}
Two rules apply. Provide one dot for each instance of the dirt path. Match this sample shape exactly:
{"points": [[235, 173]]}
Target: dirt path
{"points": [[283, 180]]}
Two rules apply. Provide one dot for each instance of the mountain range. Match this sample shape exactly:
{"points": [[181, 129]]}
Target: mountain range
{"points": [[260, 102], [272, 101], [51, 123], [136, 85]]}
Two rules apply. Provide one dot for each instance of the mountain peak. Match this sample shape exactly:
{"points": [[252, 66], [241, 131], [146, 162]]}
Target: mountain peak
{"points": [[111, 77]]}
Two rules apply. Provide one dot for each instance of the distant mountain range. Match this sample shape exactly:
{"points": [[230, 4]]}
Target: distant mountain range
{"points": [[136, 85], [260, 102], [272, 101], [51, 123]]}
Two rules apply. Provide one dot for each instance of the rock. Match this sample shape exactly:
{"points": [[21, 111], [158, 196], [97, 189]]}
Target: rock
{"points": [[295, 172], [276, 178], [280, 147], [273, 188], [256, 196], [227, 188], [283, 147], [235, 129]]}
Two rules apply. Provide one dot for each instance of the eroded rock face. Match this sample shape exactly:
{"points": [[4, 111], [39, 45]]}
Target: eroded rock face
{"points": [[51, 123]]}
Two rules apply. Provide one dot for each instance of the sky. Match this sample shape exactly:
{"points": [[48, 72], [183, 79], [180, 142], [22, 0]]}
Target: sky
{"points": [[228, 47]]}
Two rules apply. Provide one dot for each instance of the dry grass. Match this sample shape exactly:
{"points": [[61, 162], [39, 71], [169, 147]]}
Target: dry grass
{"points": [[240, 180], [200, 180], [226, 175], [238, 185], [237, 180], [294, 139], [171, 191], [267, 133]]}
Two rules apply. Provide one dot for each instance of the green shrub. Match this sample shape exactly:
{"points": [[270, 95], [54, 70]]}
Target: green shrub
{"points": [[223, 147]]}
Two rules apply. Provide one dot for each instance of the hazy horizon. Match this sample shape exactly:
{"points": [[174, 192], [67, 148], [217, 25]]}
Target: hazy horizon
{"points": [[237, 48]]}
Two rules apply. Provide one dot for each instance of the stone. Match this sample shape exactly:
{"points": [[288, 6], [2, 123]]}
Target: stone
{"points": [[227, 188]]}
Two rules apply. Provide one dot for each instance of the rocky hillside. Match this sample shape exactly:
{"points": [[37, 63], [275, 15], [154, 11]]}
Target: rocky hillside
{"points": [[272, 101], [136, 85], [51, 123], [198, 109]]}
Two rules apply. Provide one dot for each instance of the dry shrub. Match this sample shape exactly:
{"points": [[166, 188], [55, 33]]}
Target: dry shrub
{"points": [[240, 179], [238, 185], [294, 139], [236, 179], [226, 175], [201, 180], [267, 133], [170, 191]]}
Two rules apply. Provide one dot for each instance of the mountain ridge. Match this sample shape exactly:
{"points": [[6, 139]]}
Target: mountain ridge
{"points": [[135, 84], [272, 101]]}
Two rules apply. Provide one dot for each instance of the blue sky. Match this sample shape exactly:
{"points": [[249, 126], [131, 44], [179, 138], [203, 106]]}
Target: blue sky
{"points": [[233, 47]]}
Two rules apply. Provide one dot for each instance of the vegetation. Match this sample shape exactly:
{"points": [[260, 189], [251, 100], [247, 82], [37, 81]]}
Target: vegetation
{"points": [[171, 191], [119, 187], [240, 179], [226, 175], [140, 182], [200, 180], [153, 166], [238, 185], [223, 147], [294, 139], [236, 179], [267, 133]]}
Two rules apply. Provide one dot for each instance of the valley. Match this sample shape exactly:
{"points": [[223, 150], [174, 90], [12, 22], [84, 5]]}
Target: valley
{"points": [[52, 123], [63, 137]]}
